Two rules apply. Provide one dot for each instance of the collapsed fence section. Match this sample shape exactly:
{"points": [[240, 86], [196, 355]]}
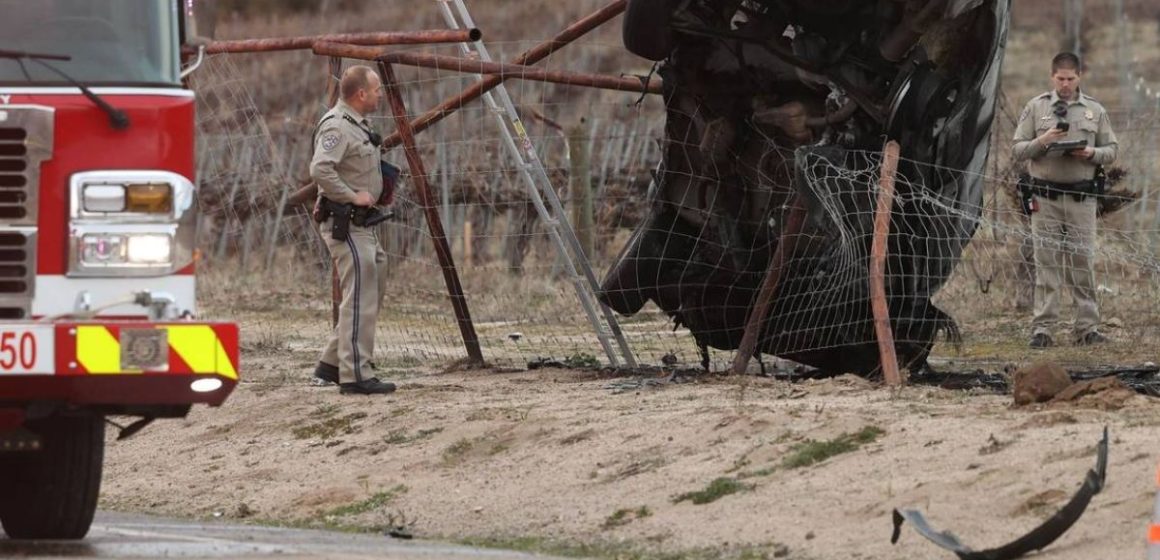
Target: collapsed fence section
{"points": [[600, 151]]}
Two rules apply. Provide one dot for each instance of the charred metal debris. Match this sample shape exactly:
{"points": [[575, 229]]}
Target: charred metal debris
{"points": [[1039, 538], [777, 103]]}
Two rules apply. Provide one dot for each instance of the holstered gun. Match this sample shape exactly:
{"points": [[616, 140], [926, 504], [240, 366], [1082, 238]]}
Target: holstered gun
{"points": [[1026, 194], [340, 220], [1100, 182]]}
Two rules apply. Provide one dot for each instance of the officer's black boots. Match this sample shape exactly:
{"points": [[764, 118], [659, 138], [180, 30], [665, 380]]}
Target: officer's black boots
{"points": [[325, 374], [1042, 340], [370, 386]]}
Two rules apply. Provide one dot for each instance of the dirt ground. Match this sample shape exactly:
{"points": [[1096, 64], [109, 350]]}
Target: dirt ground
{"points": [[576, 463]]}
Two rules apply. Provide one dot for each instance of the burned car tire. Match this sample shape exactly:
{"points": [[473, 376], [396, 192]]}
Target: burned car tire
{"points": [[52, 494], [646, 28]]}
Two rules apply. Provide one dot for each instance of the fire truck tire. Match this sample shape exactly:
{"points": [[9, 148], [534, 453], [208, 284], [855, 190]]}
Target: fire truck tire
{"points": [[52, 494], [646, 30]]}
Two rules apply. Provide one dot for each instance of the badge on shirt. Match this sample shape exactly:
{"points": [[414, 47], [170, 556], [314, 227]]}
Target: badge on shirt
{"points": [[329, 141], [1089, 116]]}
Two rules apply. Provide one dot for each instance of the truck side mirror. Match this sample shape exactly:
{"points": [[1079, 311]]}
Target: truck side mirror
{"points": [[200, 20]]}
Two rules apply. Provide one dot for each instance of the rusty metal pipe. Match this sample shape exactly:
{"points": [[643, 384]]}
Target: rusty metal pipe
{"points": [[755, 321], [537, 53], [428, 37], [434, 223], [334, 65], [879, 246], [504, 71], [517, 71]]}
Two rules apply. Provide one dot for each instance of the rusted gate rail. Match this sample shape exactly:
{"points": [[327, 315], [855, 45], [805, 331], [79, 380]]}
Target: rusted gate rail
{"points": [[272, 44], [503, 71]]}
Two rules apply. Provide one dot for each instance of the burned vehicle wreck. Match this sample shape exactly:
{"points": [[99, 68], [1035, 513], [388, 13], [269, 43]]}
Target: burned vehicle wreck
{"points": [[777, 105]]}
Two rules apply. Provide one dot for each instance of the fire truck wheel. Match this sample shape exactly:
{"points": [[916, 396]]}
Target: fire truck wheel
{"points": [[52, 494], [646, 29]]}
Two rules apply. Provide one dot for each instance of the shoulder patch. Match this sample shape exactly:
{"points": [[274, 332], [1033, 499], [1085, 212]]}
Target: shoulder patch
{"points": [[329, 141]]}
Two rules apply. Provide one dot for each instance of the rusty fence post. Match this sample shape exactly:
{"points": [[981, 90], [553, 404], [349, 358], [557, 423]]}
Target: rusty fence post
{"points": [[878, 250], [434, 224], [334, 64], [760, 310]]}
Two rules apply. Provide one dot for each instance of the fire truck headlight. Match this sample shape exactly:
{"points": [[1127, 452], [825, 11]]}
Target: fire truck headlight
{"points": [[103, 249], [150, 249], [130, 223]]}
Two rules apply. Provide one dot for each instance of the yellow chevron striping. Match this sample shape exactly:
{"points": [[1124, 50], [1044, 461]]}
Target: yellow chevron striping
{"points": [[198, 346], [98, 351], [225, 366]]}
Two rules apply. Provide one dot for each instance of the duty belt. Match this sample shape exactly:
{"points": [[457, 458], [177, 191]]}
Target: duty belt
{"points": [[1052, 190], [346, 215]]}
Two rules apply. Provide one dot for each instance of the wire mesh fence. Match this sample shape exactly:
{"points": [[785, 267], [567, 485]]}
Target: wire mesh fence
{"points": [[601, 150]]}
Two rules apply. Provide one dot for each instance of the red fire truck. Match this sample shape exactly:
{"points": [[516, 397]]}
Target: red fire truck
{"points": [[97, 217]]}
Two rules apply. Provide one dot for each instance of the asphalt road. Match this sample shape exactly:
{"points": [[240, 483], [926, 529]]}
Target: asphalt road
{"points": [[116, 535]]}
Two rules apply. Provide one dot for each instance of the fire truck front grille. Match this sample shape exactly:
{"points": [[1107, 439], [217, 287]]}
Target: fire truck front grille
{"points": [[17, 273], [26, 141], [14, 162]]}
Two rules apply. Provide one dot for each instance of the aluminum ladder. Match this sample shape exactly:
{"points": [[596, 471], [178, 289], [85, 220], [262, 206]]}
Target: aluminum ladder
{"points": [[531, 169]]}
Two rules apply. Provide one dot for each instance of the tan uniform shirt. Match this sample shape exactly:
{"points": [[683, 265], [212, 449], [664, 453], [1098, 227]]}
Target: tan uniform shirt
{"points": [[344, 159], [1089, 121]]}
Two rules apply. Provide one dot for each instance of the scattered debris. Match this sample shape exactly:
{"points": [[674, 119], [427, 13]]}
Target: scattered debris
{"points": [[1039, 383], [1107, 393], [630, 385], [1143, 379], [399, 526], [579, 360], [960, 381], [994, 445], [1038, 539]]}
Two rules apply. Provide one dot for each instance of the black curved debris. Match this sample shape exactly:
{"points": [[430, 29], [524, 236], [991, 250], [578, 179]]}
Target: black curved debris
{"points": [[1037, 539]]}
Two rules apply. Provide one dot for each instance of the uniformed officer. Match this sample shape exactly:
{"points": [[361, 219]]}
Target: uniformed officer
{"points": [[1064, 204], [346, 168]]}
